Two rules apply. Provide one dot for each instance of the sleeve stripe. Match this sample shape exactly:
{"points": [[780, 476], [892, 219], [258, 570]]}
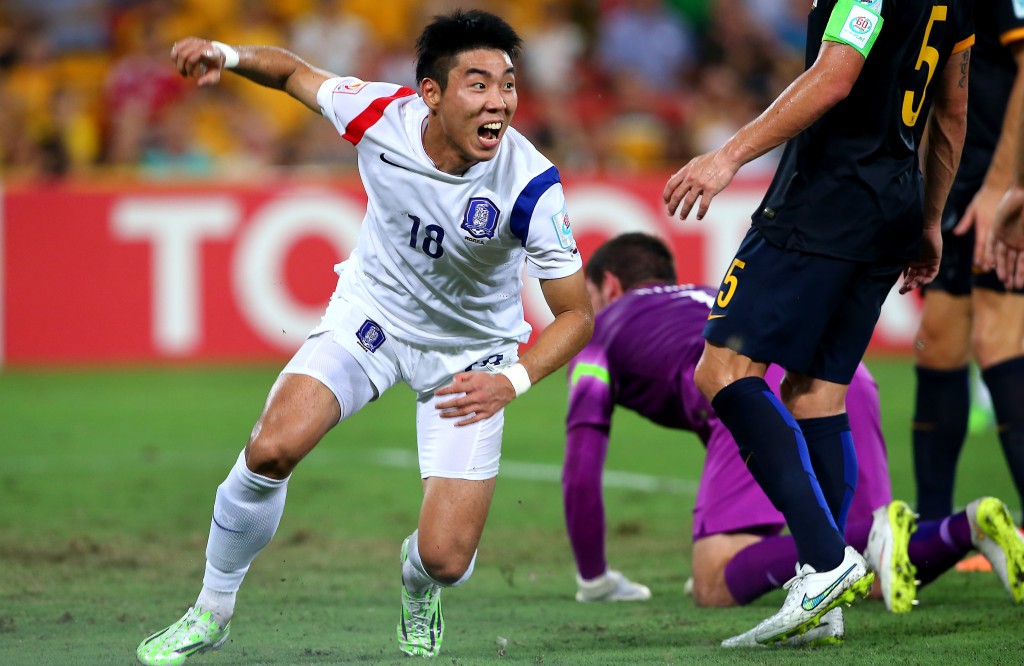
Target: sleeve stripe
{"points": [[522, 211], [589, 370], [1011, 36], [355, 130], [963, 45]]}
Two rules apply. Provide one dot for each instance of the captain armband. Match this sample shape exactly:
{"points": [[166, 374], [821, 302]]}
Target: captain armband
{"points": [[855, 23]]}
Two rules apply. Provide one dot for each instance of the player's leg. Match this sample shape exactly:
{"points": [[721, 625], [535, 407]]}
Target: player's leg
{"points": [[459, 466], [998, 338], [941, 356], [942, 399], [732, 514], [772, 445], [584, 516], [819, 408], [300, 409], [715, 587]]}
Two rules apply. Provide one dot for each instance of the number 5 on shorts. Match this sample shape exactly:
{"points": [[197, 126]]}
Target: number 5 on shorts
{"points": [[729, 283]]}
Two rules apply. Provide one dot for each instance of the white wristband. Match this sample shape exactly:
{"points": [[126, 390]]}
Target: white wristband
{"points": [[519, 377], [230, 54]]}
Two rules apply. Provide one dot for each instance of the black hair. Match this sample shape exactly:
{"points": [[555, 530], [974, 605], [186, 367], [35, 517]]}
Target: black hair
{"points": [[634, 258], [451, 34]]}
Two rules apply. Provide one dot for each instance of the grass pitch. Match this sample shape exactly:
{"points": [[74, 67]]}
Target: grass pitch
{"points": [[108, 480]]}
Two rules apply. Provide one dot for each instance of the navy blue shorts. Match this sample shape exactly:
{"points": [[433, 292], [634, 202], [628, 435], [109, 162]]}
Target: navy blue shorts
{"points": [[809, 314], [957, 276]]}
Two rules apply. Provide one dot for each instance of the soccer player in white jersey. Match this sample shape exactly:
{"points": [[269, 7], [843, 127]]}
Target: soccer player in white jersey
{"points": [[430, 297]]}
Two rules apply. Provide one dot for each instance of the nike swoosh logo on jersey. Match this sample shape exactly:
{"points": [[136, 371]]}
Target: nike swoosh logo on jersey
{"points": [[810, 604], [385, 160], [715, 316]]}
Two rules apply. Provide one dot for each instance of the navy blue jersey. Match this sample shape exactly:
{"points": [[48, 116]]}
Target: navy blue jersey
{"points": [[998, 23], [850, 186]]}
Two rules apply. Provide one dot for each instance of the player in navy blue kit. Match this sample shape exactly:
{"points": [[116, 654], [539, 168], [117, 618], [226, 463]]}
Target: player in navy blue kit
{"points": [[847, 212], [968, 311]]}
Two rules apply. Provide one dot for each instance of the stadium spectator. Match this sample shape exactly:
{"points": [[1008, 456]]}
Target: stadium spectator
{"points": [[645, 39], [458, 201], [805, 293], [738, 554], [338, 40], [967, 310]]}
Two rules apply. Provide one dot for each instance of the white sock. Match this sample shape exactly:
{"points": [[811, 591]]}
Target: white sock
{"points": [[246, 514], [415, 575], [220, 604]]}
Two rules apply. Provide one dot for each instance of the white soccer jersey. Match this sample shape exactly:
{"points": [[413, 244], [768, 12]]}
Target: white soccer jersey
{"points": [[440, 257]]}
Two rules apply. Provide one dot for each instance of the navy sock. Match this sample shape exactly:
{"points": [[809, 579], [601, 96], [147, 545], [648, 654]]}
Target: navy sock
{"points": [[940, 426], [1005, 382], [830, 446], [774, 450]]}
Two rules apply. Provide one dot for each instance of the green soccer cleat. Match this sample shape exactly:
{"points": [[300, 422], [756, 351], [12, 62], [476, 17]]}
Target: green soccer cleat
{"points": [[887, 555], [421, 627], [196, 632], [995, 535]]}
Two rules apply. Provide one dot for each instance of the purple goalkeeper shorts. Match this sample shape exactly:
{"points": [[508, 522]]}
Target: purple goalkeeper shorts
{"points": [[729, 499]]}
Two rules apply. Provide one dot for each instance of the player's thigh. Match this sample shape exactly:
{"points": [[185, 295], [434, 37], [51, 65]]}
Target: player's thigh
{"points": [[321, 385], [774, 305], [298, 413], [851, 319], [459, 465], [943, 340], [711, 554], [998, 333]]}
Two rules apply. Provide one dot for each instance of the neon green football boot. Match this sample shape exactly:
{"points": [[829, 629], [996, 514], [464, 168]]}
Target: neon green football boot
{"points": [[995, 535], [421, 627], [196, 632]]}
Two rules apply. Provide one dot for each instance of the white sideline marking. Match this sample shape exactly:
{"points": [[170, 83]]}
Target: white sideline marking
{"points": [[528, 471]]}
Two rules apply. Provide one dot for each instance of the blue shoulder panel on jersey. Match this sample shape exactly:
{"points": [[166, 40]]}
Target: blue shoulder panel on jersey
{"points": [[522, 211]]}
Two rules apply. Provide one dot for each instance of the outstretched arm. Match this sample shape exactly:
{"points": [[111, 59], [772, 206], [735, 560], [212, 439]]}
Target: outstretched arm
{"points": [[484, 394], [947, 126], [268, 66], [825, 84]]}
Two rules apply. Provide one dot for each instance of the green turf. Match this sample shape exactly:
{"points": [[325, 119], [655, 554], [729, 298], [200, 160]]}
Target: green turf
{"points": [[108, 480]]}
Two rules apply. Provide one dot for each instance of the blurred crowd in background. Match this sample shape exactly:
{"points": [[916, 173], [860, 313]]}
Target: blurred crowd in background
{"points": [[87, 88]]}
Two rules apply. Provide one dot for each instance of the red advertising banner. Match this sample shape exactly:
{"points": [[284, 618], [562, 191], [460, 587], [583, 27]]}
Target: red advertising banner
{"points": [[228, 273]]}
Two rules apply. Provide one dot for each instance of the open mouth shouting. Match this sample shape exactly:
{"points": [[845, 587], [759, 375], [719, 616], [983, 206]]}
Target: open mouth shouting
{"points": [[490, 133]]}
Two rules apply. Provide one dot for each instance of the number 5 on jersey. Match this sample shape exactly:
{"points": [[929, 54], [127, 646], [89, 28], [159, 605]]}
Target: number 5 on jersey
{"points": [[729, 283]]}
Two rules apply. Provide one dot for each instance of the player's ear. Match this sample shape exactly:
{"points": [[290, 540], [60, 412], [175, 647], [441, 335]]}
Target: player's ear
{"points": [[430, 91], [611, 287]]}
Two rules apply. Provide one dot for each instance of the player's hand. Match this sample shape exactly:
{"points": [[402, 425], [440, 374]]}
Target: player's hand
{"points": [[476, 396], [197, 59], [923, 270], [1006, 242], [980, 215], [703, 177]]}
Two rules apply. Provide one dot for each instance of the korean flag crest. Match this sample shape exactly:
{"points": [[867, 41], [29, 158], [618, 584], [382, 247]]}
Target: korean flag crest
{"points": [[481, 218], [370, 336]]}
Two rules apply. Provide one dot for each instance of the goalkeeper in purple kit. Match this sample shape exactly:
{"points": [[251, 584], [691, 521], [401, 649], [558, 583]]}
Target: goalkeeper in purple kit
{"points": [[646, 343]]}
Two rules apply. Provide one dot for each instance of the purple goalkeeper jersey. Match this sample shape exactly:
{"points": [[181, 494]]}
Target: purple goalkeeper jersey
{"points": [[642, 356]]}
